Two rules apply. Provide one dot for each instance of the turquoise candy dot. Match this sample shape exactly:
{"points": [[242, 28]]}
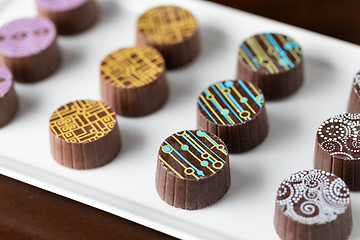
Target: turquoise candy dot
{"points": [[167, 149], [200, 133], [229, 83], [243, 100], [225, 111], [287, 46], [184, 147], [260, 98], [204, 163], [283, 62]]}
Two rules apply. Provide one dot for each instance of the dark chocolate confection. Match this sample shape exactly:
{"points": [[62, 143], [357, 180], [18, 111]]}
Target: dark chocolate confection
{"points": [[171, 30], [28, 48], [69, 16], [313, 205], [8, 99], [337, 148], [273, 62], [133, 81], [235, 112], [192, 169], [84, 134], [354, 102]]}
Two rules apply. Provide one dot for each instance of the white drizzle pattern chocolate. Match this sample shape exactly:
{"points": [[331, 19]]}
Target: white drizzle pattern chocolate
{"points": [[357, 82], [339, 136], [313, 197]]}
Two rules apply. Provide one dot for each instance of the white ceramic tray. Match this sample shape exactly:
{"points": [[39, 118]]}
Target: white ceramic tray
{"points": [[125, 187]]}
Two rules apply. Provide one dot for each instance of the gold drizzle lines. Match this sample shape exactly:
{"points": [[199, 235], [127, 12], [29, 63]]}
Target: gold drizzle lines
{"points": [[261, 56], [82, 121], [167, 24], [132, 67]]}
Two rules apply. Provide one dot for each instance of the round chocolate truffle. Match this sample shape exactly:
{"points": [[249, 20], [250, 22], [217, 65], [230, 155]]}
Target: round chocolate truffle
{"points": [[69, 16], [354, 102], [84, 134], [192, 169], [273, 62], [313, 205], [133, 81], [235, 112], [171, 30], [337, 148], [8, 99], [28, 48]]}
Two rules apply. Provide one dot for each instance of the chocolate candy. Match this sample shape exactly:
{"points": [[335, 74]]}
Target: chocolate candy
{"points": [[133, 81], [313, 205], [273, 62], [28, 48], [171, 30], [192, 169], [69, 16], [354, 102], [84, 134], [235, 112], [8, 99], [337, 148]]}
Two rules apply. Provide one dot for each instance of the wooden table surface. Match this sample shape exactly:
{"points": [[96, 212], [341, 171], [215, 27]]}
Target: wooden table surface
{"points": [[27, 212]]}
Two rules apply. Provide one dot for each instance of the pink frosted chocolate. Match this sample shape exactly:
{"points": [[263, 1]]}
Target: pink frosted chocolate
{"points": [[59, 5], [5, 80], [8, 99], [27, 36]]}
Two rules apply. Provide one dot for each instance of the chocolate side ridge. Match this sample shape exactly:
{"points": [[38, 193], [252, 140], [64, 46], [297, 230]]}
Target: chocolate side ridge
{"points": [[354, 102], [9, 106], [341, 167], [74, 20], [285, 83], [86, 155], [36, 67]]}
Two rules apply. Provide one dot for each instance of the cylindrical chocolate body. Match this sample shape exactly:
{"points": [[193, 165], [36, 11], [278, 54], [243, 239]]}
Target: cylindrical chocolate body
{"points": [[235, 112], [354, 101], [28, 47], [8, 98], [337, 148], [69, 17], [171, 30], [84, 134], [133, 81], [192, 170], [273, 62], [313, 205]]}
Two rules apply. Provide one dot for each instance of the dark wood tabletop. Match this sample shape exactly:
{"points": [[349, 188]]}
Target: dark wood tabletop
{"points": [[27, 212]]}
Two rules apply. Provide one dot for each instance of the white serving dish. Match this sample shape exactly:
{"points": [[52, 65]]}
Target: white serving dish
{"points": [[125, 187]]}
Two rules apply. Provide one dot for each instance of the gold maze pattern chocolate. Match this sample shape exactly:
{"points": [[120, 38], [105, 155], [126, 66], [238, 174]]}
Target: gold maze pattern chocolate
{"points": [[82, 121], [132, 67], [167, 25]]}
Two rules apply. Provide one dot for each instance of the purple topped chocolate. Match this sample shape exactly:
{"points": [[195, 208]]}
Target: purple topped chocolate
{"points": [[8, 99], [5, 80], [59, 5], [27, 36]]}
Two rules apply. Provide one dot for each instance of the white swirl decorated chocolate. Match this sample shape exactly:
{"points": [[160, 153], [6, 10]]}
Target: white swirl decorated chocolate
{"points": [[337, 148], [316, 199]]}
